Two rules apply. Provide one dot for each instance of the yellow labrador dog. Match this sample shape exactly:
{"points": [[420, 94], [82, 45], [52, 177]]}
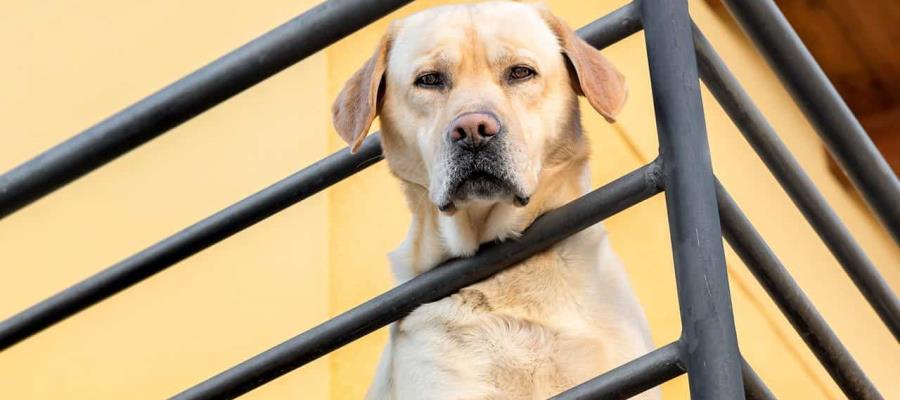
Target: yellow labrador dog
{"points": [[480, 122]]}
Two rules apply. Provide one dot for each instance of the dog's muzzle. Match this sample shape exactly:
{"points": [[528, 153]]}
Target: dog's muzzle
{"points": [[479, 165]]}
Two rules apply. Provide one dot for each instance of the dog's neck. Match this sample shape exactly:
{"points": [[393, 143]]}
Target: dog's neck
{"points": [[435, 237]]}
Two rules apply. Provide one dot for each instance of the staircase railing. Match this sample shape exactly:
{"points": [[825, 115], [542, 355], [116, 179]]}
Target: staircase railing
{"points": [[699, 208]]}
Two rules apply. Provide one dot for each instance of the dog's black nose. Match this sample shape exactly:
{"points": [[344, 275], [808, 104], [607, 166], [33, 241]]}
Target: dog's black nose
{"points": [[474, 129]]}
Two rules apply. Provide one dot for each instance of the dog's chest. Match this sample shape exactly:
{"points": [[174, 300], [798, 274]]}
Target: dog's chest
{"points": [[527, 330]]}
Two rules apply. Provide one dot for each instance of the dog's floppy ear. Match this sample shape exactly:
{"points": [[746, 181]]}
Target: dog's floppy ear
{"points": [[357, 105], [594, 76]]}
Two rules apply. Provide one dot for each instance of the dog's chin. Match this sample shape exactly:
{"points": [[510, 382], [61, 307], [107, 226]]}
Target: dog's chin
{"points": [[482, 187]]}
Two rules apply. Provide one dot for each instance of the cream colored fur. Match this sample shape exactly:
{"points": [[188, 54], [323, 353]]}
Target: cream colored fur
{"points": [[561, 317]]}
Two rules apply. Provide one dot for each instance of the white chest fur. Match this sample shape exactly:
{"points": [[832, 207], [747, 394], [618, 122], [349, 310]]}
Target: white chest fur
{"points": [[534, 330]]}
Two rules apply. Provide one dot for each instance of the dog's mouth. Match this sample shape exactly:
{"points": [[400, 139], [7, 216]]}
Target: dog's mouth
{"points": [[478, 184], [481, 184]]}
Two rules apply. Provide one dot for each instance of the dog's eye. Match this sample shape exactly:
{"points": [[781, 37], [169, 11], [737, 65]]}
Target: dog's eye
{"points": [[520, 73], [431, 80]]}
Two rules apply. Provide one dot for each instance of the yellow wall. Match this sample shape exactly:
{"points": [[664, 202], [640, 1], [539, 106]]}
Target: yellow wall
{"points": [[68, 65]]}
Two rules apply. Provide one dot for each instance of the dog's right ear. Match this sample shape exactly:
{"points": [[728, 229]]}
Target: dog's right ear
{"points": [[359, 102]]}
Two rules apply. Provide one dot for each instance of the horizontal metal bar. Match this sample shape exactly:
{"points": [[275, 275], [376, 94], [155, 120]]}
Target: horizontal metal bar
{"points": [[754, 387], [843, 135], [189, 241], [762, 137], [430, 286], [223, 224], [201, 90], [632, 378], [790, 299]]}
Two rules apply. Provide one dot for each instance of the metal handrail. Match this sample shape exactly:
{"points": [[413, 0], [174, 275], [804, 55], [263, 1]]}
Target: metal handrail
{"points": [[699, 208]]}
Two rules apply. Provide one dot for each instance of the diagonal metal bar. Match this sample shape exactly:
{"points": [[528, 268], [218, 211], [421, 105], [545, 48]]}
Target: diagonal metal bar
{"points": [[650, 370], [201, 90], [708, 334], [790, 299], [189, 241], [430, 286], [845, 138], [606, 30], [632, 378], [763, 138], [613, 27], [754, 387]]}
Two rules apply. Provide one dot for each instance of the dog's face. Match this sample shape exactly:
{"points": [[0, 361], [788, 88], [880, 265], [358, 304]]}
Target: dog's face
{"points": [[472, 98]]}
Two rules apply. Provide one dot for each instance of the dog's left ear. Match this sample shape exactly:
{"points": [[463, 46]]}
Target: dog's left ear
{"points": [[358, 103], [594, 76]]}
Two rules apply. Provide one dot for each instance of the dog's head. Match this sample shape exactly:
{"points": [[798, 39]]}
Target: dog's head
{"points": [[473, 97]]}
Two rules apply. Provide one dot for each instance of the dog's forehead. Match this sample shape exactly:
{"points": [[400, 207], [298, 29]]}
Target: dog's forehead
{"points": [[449, 30]]}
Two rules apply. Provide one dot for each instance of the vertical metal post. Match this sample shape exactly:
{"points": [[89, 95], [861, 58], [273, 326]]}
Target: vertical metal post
{"points": [[708, 335]]}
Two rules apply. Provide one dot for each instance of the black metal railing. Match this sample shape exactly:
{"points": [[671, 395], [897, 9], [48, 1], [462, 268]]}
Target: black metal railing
{"points": [[679, 57]]}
